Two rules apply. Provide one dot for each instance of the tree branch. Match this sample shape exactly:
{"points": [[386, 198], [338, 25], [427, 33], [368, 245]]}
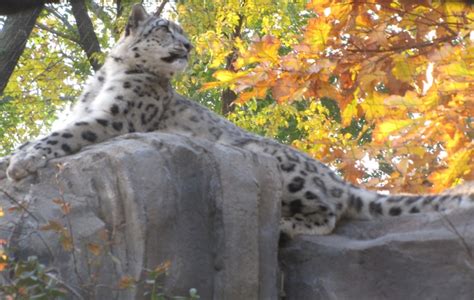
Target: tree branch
{"points": [[20, 205], [65, 21], [13, 37], [99, 12], [58, 33], [8, 7], [160, 8], [87, 37], [228, 95], [405, 47]]}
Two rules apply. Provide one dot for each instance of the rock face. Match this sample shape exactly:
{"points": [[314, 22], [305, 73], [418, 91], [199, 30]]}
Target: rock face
{"points": [[427, 256], [116, 210], [141, 200]]}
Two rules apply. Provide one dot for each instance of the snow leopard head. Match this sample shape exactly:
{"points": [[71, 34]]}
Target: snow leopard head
{"points": [[152, 44]]}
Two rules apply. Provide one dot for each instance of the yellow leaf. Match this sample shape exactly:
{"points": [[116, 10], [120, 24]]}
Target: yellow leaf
{"points": [[224, 77], [349, 112], [458, 68], [317, 33], [430, 100], [373, 106], [227, 76], [410, 99], [268, 48], [454, 141], [401, 69], [389, 127], [451, 86], [460, 163], [454, 13]]}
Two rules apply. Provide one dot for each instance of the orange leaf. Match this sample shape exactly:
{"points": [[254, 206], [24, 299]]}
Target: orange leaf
{"points": [[163, 267], [126, 282], [256, 92], [317, 33], [53, 225], [66, 241], [264, 50], [65, 206], [94, 248], [3, 261], [318, 5], [288, 88]]}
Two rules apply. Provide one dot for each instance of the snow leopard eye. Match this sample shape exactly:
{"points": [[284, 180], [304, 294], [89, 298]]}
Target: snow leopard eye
{"points": [[162, 24]]}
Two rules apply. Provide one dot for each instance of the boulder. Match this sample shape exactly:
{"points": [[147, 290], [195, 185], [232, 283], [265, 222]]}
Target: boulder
{"points": [[103, 218], [424, 256]]}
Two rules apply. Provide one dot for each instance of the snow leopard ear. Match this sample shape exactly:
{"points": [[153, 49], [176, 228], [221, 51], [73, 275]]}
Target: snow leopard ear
{"points": [[137, 16]]}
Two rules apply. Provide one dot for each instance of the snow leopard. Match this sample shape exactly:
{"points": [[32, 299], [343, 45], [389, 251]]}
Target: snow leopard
{"points": [[132, 92]]}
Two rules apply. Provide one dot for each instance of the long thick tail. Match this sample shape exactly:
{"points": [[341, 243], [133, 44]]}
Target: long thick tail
{"points": [[364, 204]]}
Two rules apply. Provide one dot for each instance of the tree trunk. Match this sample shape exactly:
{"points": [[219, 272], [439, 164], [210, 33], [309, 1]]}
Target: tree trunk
{"points": [[13, 39], [228, 95], [87, 36]]}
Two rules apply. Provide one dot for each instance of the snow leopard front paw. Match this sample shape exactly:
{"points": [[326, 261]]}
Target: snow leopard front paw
{"points": [[24, 163]]}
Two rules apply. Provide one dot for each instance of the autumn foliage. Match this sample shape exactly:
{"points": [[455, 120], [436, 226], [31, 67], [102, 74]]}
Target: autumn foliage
{"points": [[382, 83]]}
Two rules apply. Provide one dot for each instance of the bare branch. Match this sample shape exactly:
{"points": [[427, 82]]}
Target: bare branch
{"points": [[19, 204], [64, 20], [60, 34], [407, 46], [9, 7], [160, 8], [65, 285], [228, 95], [450, 226], [99, 12]]}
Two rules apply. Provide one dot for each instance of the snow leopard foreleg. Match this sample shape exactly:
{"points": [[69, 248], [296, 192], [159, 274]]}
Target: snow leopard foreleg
{"points": [[60, 143]]}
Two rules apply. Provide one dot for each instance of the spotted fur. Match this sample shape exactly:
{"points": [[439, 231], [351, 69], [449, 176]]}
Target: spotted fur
{"points": [[132, 93]]}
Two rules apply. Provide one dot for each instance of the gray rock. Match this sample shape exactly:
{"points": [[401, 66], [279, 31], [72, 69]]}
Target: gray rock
{"points": [[427, 256], [212, 211], [140, 200]]}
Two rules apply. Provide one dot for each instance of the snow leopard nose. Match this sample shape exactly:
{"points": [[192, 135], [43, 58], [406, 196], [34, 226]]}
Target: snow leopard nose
{"points": [[188, 46]]}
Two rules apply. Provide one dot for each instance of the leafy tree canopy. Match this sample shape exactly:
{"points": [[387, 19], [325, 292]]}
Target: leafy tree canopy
{"points": [[381, 90]]}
